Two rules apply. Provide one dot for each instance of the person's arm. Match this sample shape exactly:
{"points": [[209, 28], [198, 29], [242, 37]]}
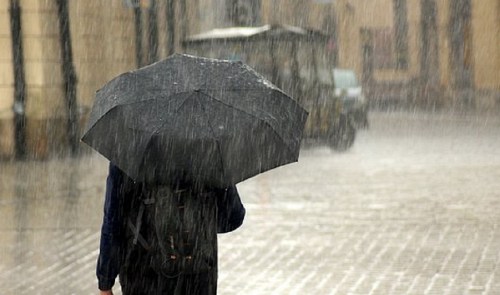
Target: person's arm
{"points": [[108, 263], [230, 210]]}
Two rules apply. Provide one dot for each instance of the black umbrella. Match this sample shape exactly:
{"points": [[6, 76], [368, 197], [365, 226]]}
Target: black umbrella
{"points": [[211, 121]]}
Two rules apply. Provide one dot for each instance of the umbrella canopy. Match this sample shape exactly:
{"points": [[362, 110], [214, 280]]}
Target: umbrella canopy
{"points": [[202, 120]]}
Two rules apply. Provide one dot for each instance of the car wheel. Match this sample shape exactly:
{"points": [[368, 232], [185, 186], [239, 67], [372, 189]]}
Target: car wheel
{"points": [[342, 137]]}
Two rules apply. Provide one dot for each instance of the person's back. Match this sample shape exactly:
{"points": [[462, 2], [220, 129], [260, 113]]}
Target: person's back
{"points": [[172, 239], [167, 241]]}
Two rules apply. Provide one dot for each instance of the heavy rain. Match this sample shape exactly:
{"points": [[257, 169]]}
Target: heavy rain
{"points": [[395, 190]]}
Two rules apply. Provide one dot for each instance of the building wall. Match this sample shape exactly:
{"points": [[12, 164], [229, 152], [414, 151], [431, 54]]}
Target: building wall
{"points": [[41, 74], [486, 51], [103, 46], [485, 42], [444, 40], [375, 14], [414, 37], [45, 107], [291, 12]]}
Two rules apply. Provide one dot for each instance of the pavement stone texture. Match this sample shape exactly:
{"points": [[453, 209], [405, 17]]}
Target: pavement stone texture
{"points": [[412, 208]]}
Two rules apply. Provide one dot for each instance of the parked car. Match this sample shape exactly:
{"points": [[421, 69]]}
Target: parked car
{"points": [[353, 110], [296, 60], [339, 110], [348, 89]]}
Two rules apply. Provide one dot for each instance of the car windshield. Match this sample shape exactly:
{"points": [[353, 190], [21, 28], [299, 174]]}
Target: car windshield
{"points": [[345, 79]]}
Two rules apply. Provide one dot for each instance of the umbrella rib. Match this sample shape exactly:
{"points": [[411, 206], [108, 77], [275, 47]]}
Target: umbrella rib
{"points": [[226, 104], [247, 69], [134, 102], [255, 73], [253, 89], [243, 111], [220, 74], [240, 89], [216, 140], [277, 134], [177, 110], [140, 101], [130, 103], [256, 89]]}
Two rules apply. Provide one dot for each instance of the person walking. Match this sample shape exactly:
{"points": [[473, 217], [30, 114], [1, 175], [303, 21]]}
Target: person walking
{"points": [[183, 132], [172, 252]]}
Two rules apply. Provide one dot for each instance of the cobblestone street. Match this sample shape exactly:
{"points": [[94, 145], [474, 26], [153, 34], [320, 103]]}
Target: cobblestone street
{"points": [[412, 208]]}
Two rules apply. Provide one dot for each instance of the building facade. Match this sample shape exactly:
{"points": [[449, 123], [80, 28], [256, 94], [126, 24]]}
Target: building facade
{"points": [[425, 53], [101, 47]]}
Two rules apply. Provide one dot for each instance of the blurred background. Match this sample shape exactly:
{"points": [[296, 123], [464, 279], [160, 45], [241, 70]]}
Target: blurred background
{"points": [[396, 191], [405, 53]]}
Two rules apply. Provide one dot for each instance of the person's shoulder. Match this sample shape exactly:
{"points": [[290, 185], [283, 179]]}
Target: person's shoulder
{"points": [[114, 170]]}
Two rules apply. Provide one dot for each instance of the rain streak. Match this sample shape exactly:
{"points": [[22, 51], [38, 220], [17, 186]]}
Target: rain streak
{"points": [[250, 147]]}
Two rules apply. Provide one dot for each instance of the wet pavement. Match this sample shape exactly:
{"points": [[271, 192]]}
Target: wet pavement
{"points": [[412, 208]]}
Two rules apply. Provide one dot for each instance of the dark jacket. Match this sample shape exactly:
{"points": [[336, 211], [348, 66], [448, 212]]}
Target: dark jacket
{"points": [[230, 215]]}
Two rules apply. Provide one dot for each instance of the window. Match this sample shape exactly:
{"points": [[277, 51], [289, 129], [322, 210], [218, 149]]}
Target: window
{"points": [[243, 12], [383, 49]]}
